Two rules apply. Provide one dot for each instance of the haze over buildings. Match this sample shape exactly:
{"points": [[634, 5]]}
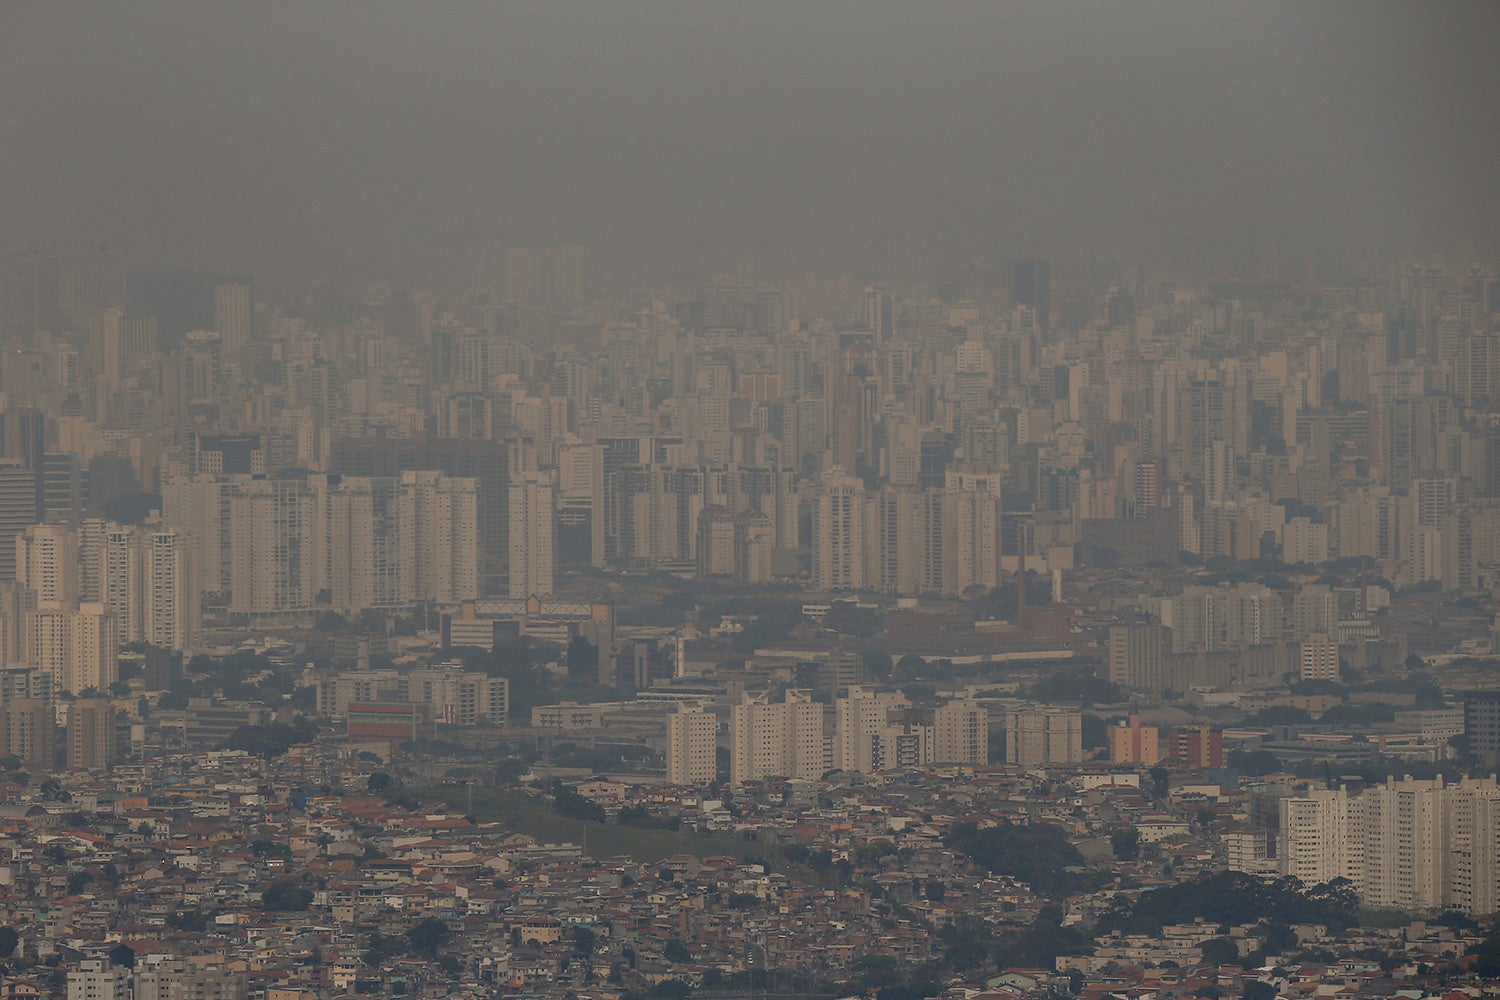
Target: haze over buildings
{"points": [[938, 500]]}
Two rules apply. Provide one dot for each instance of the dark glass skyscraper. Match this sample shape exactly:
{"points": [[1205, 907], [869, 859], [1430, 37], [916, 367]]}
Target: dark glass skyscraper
{"points": [[1030, 286]]}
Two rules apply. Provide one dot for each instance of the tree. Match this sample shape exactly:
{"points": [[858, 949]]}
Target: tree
{"points": [[9, 938], [122, 954], [676, 951], [427, 935], [378, 783], [1125, 841], [582, 658], [1220, 951], [1487, 956], [583, 940], [286, 895], [1039, 855]]}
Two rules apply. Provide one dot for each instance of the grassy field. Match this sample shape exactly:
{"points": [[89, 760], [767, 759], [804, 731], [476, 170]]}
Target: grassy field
{"points": [[530, 816]]}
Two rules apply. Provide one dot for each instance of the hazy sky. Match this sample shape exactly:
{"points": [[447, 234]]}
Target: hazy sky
{"points": [[398, 139]]}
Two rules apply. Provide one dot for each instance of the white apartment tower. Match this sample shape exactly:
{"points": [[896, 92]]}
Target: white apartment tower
{"points": [[47, 563], [1043, 736], [1319, 658], [838, 533], [533, 543], [439, 525], [1410, 844], [691, 746], [780, 739], [961, 733], [861, 722], [971, 531]]}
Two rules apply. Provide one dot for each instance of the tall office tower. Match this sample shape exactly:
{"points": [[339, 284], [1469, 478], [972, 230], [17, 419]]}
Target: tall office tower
{"points": [[1043, 736], [15, 602], [28, 729], [716, 541], [439, 519], [92, 740], [838, 535], [64, 488], [47, 562], [182, 301], [1031, 287], [107, 331], [879, 313], [273, 547], [961, 733], [1319, 657], [234, 315], [362, 558], [971, 531], [754, 547], [859, 720], [30, 294], [691, 747], [1482, 726], [780, 739], [551, 277], [533, 535]]}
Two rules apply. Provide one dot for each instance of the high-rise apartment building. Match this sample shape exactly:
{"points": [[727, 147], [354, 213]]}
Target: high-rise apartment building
{"points": [[439, 518], [168, 977], [92, 739], [1031, 288], [1319, 658], [1133, 743], [777, 739], [47, 562], [362, 551], [1409, 844], [273, 547], [533, 534], [99, 979], [1043, 736], [838, 533], [1196, 746], [961, 733], [691, 747], [28, 729], [971, 531], [861, 720]]}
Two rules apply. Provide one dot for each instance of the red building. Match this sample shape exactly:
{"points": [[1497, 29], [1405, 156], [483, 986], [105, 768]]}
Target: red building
{"points": [[1196, 747], [399, 722]]}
